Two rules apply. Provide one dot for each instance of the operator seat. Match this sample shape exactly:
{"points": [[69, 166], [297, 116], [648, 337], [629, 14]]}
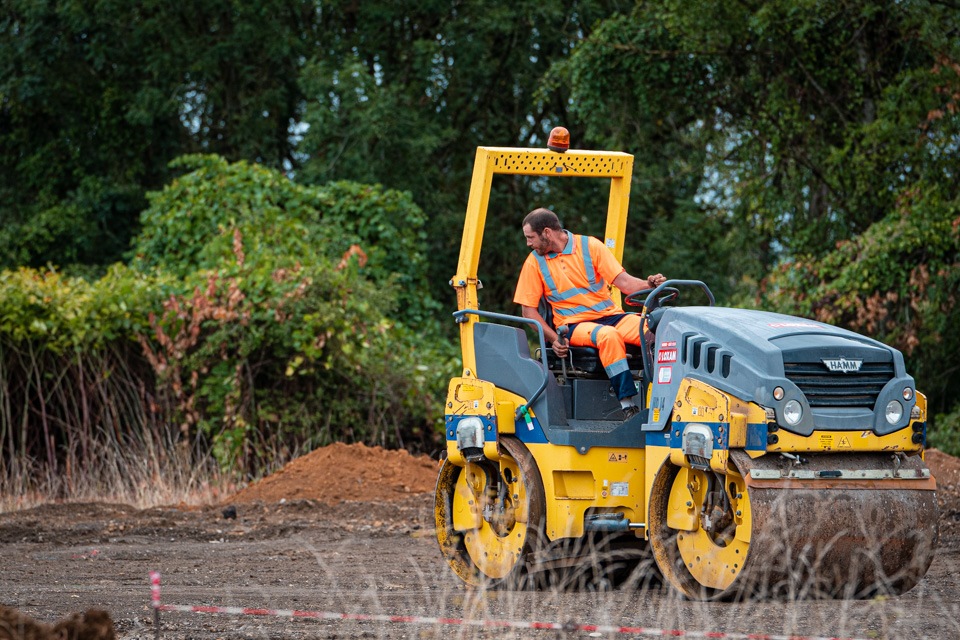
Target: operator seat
{"points": [[585, 360]]}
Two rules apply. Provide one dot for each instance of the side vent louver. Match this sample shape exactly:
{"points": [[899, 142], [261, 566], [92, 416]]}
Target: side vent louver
{"points": [[725, 365], [697, 348], [697, 351]]}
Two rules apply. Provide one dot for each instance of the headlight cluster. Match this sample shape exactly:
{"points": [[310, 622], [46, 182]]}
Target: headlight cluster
{"points": [[793, 410]]}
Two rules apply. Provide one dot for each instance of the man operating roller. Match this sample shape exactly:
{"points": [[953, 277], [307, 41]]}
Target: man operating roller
{"points": [[572, 272]]}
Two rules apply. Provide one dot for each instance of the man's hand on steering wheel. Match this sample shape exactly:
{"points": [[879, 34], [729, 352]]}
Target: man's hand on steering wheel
{"points": [[654, 281]]}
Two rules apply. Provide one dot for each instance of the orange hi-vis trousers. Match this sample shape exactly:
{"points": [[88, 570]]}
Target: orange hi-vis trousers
{"points": [[611, 341]]}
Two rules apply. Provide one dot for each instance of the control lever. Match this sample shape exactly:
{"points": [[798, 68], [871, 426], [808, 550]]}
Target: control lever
{"points": [[562, 339]]}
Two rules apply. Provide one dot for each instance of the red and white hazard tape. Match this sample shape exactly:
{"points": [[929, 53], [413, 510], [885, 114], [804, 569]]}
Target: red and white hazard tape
{"points": [[500, 624]]}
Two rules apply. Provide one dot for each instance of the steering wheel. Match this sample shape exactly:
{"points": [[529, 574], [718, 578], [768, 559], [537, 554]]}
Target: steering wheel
{"points": [[638, 298]]}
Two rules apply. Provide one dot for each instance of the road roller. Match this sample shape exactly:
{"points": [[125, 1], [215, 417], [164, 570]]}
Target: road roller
{"points": [[773, 456]]}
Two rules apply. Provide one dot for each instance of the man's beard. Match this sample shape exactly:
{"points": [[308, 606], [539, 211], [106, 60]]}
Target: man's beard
{"points": [[542, 248]]}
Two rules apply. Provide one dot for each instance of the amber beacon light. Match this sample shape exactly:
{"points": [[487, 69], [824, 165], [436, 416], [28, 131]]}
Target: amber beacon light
{"points": [[559, 140]]}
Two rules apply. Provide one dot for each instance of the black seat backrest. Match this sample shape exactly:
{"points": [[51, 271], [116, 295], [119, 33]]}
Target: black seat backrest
{"points": [[546, 311]]}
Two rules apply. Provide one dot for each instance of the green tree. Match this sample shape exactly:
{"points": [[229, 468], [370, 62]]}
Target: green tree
{"points": [[800, 155], [402, 93], [96, 98], [190, 226], [636, 86], [245, 327], [787, 126]]}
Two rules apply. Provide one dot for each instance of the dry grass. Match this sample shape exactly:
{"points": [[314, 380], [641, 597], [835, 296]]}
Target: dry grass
{"points": [[86, 427], [145, 472]]}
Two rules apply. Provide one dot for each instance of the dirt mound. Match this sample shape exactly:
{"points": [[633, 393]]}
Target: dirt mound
{"points": [[340, 472], [359, 473], [945, 468], [95, 624]]}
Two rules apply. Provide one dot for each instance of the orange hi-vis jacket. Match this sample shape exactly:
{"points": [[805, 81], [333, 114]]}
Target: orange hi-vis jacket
{"points": [[574, 281]]}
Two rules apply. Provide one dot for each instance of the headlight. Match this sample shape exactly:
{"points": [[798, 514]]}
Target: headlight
{"points": [[470, 437], [792, 412], [894, 411]]}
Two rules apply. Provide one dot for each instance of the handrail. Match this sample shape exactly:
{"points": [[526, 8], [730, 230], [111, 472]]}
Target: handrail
{"points": [[521, 410]]}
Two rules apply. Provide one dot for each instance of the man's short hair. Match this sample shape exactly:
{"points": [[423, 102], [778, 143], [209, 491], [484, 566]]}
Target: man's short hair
{"points": [[540, 219]]}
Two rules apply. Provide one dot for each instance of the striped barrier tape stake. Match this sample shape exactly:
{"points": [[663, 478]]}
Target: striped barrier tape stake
{"points": [[569, 626], [155, 599]]}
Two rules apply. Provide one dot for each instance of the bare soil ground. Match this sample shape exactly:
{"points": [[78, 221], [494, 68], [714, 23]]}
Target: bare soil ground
{"points": [[349, 529]]}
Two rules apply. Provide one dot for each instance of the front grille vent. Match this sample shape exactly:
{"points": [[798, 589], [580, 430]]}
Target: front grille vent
{"points": [[825, 388]]}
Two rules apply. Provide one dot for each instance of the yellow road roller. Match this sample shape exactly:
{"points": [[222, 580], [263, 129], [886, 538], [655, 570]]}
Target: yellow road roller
{"points": [[773, 456]]}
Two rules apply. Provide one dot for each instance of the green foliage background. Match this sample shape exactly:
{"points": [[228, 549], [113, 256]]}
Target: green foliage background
{"points": [[198, 173], [244, 322]]}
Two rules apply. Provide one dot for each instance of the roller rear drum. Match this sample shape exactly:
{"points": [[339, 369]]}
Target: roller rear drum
{"points": [[724, 536]]}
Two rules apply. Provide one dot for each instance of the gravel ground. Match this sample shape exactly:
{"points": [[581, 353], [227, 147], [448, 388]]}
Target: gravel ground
{"points": [[380, 558], [372, 559]]}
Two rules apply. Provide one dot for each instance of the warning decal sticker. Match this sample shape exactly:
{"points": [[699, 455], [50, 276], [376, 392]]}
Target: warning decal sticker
{"points": [[620, 489], [665, 375], [666, 355]]}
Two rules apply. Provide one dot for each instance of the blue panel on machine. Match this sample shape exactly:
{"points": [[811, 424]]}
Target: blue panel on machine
{"points": [[530, 432]]}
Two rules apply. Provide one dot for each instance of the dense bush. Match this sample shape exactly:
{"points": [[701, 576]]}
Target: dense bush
{"points": [[190, 226], [897, 282], [945, 432], [257, 318], [72, 380]]}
